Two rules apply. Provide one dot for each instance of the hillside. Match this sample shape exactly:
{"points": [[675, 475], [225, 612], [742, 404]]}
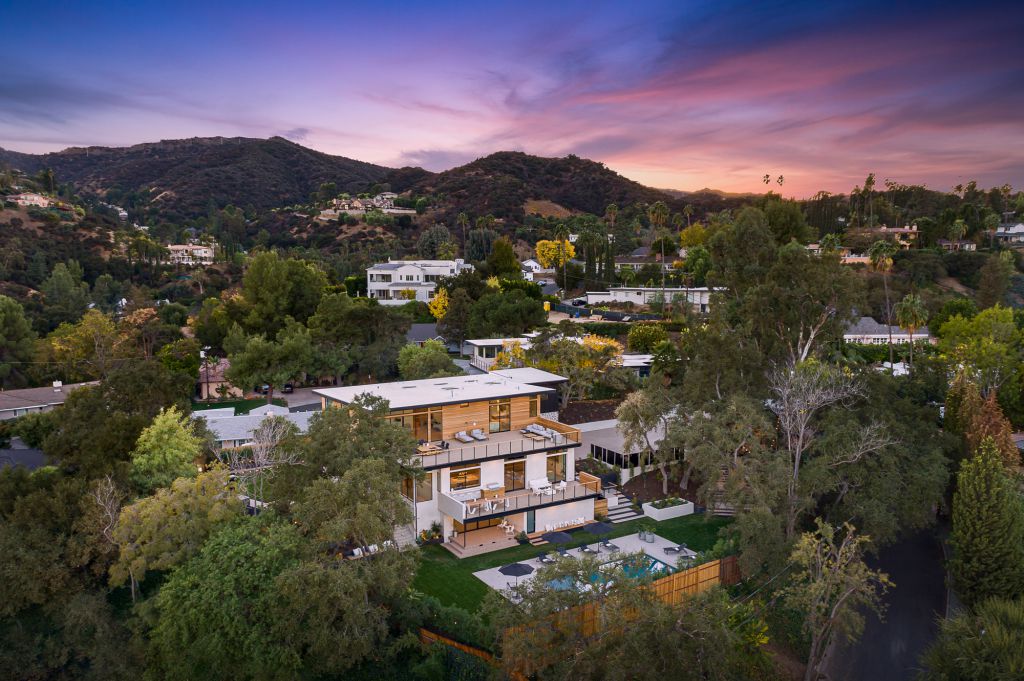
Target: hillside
{"points": [[502, 183], [183, 177]]}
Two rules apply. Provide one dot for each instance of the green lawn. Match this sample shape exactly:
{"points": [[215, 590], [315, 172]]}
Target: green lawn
{"points": [[241, 406], [451, 579]]}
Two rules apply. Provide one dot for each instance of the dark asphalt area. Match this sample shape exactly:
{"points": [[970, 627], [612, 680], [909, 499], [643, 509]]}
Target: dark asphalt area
{"points": [[890, 650]]}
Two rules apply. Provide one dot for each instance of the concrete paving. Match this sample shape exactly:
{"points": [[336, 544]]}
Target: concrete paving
{"points": [[628, 544], [301, 397]]}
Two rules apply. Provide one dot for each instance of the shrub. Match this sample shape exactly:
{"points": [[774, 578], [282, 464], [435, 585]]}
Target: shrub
{"points": [[645, 337]]}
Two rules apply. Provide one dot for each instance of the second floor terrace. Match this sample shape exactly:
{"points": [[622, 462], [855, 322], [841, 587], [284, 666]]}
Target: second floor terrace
{"points": [[476, 444], [473, 505]]}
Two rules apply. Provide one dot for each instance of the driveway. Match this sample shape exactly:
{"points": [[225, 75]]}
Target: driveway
{"points": [[302, 399], [889, 650]]}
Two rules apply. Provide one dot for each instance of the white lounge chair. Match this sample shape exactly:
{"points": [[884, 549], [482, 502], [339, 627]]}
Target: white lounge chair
{"points": [[373, 548], [357, 552], [462, 436], [477, 434], [472, 510]]}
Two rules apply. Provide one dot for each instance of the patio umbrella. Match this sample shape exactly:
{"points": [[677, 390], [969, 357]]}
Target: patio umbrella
{"points": [[516, 570], [556, 537], [598, 528]]}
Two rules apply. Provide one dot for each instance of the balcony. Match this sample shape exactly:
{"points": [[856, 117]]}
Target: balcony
{"points": [[587, 487], [498, 446]]}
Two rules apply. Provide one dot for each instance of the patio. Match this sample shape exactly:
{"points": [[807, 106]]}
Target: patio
{"points": [[498, 445], [627, 544]]}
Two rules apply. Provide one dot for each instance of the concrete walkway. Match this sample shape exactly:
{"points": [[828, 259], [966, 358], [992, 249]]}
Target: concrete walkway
{"points": [[628, 544]]}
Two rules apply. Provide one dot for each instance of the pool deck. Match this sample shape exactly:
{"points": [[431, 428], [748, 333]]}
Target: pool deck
{"points": [[628, 544]]}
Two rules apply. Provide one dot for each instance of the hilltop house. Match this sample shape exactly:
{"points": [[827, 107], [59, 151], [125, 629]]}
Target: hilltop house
{"points": [[494, 467], [189, 254], [398, 282], [961, 245], [866, 331], [30, 199]]}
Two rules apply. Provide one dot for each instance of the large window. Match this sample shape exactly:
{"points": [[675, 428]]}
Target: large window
{"points": [[535, 406], [465, 477], [515, 475], [556, 467], [424, 424], [501, 415], [424, 488]]}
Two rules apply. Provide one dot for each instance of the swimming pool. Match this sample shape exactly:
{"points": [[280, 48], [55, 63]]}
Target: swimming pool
{"points": [[643, 567]]}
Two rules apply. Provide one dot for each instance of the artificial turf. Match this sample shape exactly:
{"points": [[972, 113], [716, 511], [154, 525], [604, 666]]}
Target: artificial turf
{"points": [[451, 581]]}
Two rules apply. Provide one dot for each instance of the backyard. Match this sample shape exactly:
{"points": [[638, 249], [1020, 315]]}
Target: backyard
{"points": [[451, 580]]}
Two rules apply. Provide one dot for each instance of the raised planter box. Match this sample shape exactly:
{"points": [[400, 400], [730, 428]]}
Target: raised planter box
{"points": [[659, 514]]}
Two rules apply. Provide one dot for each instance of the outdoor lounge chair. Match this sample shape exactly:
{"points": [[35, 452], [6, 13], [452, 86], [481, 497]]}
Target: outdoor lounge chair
{"points": [[675, 549], [461, 436], [608, 545], [477, 434], [372, 548], [587, 549], [545, 558], [561, 551]]}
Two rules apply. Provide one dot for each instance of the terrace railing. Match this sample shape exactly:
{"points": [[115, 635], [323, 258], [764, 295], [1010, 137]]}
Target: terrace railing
{"points": [[515, 502], [511, 444]]}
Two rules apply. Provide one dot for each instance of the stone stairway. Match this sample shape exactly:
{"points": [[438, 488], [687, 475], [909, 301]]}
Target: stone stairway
{"points": [[404, 536], [622, 511]]}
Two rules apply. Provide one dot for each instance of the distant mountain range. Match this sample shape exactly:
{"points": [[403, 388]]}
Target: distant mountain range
{"points": [[184, 178]]}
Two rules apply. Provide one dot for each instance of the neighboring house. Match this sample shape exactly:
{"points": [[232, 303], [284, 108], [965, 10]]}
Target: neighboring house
{"points": [[639, 364], [189, 254], [904, 236], [867, 331], [534, 267], [237, 431], [30, 199], [846, 257], [483, 351], [603, 441], [948, 245], [419, 334], [698, 297], [1010, 233], [212, 382], [493, 465], [638, 262], [15, 403], [397, 282]]}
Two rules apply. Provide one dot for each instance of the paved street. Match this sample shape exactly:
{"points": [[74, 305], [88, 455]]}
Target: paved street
{"points": [[890, 650]]}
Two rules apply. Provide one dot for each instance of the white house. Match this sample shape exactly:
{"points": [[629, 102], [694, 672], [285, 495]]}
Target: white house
{"points": [[698, 297], [493, 466], [237, 431], [866, 331], [1011, 233], [30, 199], [189, 254], [399, 281]]}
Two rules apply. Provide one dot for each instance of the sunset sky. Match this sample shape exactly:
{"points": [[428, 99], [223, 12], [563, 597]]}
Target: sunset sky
{"points": [[673, 94]]}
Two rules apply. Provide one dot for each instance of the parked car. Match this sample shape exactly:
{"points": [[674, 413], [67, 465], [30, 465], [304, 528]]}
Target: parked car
{"points": [[288, 388], [263, 389], [579, 302]]}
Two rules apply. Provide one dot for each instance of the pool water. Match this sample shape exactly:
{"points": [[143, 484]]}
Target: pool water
{"points": [[646, 567]]}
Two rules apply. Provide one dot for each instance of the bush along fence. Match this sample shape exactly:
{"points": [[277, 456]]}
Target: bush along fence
{"points": [[586, 619]]}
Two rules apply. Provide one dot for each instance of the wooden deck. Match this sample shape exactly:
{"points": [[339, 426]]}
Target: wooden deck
{"points": [[480, 541]]}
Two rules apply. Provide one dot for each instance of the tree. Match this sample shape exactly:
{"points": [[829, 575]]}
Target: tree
{"points": [[658, 214], [584, 362], [698, 263], [439, 305], [645, 337], [497, 315], [502, 261], [833, 587], [181, 356], [162, 531], [271, 449], [274, 289], [217, 611], [430, 360], [480, 243], [462, 220], [994, 279], [880, 255], [211, 324], [643, 416], [957, 230], [454, 325], [987, 539], [911, 315], [786, 221], [985, 421], [17, 343], [432, 241], [693, 236], [272, 363], [65, 294], [166, 450], [988, 346], [554, 254], [983, 644]]}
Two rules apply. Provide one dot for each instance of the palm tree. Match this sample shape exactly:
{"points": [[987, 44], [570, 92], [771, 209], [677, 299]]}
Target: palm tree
{"points": [[658, 213], [463, 221], [562, 235], [956, 232], [911, 315], [688, 212], [881, 253], [831, 243], [611, 213], [991, 225]]}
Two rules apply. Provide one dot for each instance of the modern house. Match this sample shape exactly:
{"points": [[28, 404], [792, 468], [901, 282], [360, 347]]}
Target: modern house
{"points": [[960, 245], [549, 402], [15, 403], [190, 254], [866, 331], [483, 351], [698, 297], [492, 465], [400, 281]]}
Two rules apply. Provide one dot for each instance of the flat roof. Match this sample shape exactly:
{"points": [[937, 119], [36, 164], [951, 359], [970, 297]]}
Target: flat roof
{"points": [[495, 341], [435, 391], [529, 375], [35, 398]]}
